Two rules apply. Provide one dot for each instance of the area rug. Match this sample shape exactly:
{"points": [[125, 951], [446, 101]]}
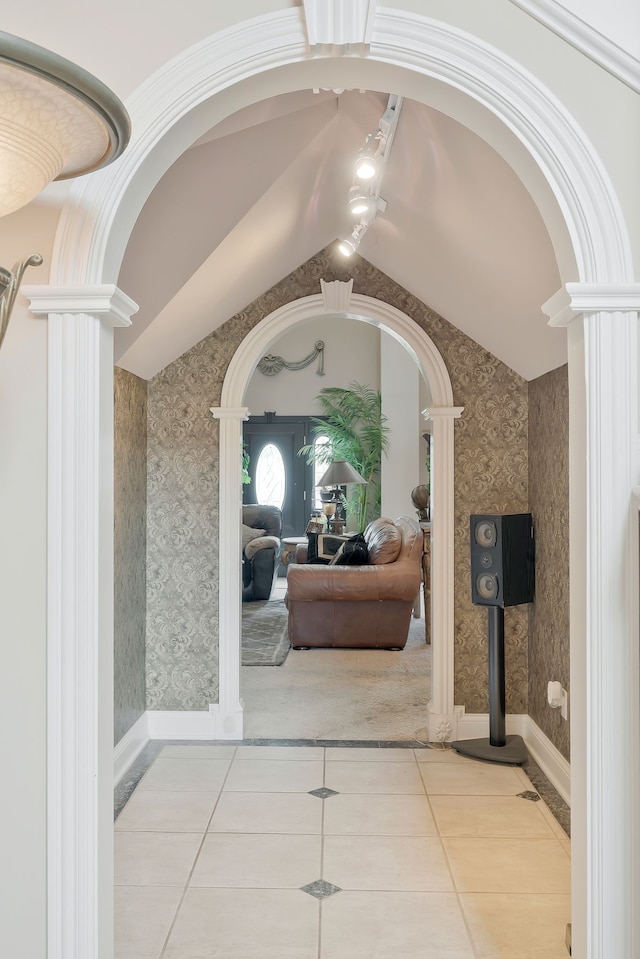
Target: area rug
{"points": [[264, 633]]}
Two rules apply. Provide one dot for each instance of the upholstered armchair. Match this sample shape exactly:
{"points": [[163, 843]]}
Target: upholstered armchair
{"points": [[261, 547], [360, 607]]}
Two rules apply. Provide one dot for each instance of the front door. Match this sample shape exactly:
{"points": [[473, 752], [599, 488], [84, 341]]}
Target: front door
{"points": [[279, 476]]}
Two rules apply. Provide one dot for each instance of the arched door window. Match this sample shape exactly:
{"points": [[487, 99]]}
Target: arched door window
{"points": [[270, 477]]}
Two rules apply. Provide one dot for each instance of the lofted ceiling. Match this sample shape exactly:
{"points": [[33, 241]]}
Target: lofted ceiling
{"points": [[266, 189]]}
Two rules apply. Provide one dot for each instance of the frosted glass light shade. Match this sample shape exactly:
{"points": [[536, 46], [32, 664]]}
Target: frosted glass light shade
{"points": [[56, 121]]}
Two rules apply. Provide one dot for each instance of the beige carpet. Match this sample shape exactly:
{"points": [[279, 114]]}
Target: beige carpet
{"points": [[362, 694]]}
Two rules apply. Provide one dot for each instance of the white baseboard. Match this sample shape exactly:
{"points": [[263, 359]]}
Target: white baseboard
{"points": [[556, 768], [129, 748], [551, 761], [195, 724]]}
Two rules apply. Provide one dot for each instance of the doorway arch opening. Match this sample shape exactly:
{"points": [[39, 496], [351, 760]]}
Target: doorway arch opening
{"points": [[231, 413]]}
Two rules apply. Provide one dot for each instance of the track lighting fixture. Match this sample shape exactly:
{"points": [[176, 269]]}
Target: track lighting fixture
{"points": [[364, 196]]}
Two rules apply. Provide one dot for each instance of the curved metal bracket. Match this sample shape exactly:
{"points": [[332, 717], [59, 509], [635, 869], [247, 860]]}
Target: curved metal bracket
{"points": [[9, 286]]}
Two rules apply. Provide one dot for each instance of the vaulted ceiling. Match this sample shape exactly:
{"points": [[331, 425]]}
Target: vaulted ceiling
{"points": [[266, 189]]}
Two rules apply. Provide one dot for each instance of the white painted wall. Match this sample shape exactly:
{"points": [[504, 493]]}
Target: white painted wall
{"points": [[23, 493], [400, 404], [352, 353]]}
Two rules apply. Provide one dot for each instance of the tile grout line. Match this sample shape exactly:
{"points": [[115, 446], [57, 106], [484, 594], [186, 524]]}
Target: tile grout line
{"points": [[195, 860]]}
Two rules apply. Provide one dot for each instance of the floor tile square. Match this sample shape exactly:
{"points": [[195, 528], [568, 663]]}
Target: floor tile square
{"points": [[470, 779], [198, 751], [392, 925], [275, 775], [143, 917], [395, 778], [438, 754], [154, 859], [388, 863], [350, 814], [517, 926], [281, 752], [257, 861], [490, 817], [297, 813], [371, 754], [195, 775], [245, 924], [502, 865], [162, 810]]}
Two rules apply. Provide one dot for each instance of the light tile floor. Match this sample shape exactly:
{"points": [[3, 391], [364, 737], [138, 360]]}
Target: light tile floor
{"points": [[225, 852]]}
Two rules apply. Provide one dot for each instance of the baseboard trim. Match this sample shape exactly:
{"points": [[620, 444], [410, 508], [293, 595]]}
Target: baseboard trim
{"points": [[129, 748], [556, 768], [548, 757], [195, 724]]}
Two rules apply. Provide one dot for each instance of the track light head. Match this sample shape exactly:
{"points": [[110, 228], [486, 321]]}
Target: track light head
{"points": [[360, 202], [349, 246], [366, 165]]}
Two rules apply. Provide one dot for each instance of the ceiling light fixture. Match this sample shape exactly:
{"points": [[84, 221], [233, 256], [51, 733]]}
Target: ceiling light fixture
{"points": [[57, 122], [349, 246]]}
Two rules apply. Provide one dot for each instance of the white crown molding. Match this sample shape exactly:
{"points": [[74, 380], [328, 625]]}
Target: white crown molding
{"points": [[220, 413], [339, 26], [585, 38], [104, 300]]}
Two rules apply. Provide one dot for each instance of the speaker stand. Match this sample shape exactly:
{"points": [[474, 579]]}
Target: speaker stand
{"points": [[498, 748]]}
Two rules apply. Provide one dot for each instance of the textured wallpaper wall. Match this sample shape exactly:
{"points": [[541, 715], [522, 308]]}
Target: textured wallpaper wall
{"points": [[130, 534], [549, 498], [491, 475]]}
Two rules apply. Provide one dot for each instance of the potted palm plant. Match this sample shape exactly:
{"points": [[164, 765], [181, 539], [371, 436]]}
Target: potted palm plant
{"points": [[354, 424]]}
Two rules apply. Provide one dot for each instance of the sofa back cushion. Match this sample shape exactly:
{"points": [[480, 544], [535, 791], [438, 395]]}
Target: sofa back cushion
{"points": [[384, 541]]}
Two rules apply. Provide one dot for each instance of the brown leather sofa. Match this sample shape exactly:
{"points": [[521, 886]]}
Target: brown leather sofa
{"points": [[260, 555], [359, 607]]}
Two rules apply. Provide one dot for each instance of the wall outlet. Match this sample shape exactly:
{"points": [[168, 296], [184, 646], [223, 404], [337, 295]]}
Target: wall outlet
{"points": [[564, 705]]}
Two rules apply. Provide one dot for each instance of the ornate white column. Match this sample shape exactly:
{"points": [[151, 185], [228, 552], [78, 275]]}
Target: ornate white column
{"points": [[80, 614], [229, 567], [601, 324], [442, 714]]}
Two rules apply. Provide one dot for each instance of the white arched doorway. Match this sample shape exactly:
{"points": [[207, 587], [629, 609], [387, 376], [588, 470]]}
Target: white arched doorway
{"points": [[240, 65], [338, 301]]}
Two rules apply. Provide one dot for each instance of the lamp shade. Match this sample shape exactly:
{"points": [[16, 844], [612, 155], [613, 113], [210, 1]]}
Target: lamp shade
{"points": [[339, 474], [56, 121]]}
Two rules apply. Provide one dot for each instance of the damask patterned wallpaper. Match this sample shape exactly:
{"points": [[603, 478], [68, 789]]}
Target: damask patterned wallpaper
{"points": [[130, 534], [491, 475], [549, 498]]}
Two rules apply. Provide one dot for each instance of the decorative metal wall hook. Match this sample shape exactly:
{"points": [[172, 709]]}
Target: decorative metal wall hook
{"points": [[271, 365], [9, 286]]}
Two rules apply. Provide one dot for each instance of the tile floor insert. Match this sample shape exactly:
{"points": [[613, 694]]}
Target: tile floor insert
{"points": [[298, 850]]}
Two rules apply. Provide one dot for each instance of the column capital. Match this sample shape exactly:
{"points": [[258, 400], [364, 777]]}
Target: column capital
{"points": [[229, 412], [104, 300], [443, 412], [575, 298]]}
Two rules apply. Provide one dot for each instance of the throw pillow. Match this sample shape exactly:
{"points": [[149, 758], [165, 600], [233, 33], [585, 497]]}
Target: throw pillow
{"points": [[384, 540], [249, 533], [354, 552]]}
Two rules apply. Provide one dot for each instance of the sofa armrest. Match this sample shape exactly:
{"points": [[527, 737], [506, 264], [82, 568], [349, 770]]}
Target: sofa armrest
{"points": [[399, 581], [261, 542]]}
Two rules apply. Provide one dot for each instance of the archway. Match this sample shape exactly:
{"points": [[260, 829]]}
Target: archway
{"points": [[551, 153], [338, 302]]}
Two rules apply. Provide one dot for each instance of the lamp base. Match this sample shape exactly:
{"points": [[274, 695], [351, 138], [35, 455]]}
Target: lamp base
{"points": [[513, 753]]}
